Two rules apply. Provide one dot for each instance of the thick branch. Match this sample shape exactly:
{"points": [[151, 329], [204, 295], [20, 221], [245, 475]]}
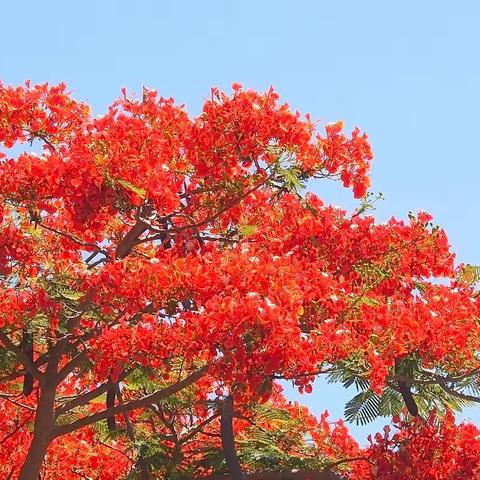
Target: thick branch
{"points": [[407, 396], [71, 366], [27, 348], [88, 396], [404, 388], [128, 241], [109, 404], [24, 359], [128, 422], [132, 405]]}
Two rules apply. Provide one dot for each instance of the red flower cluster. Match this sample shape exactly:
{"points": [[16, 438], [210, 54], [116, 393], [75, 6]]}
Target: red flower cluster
{"points": [[430, 450]]}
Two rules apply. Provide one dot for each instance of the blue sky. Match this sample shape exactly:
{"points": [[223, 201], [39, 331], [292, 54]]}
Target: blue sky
{"points": [[406, 72]]}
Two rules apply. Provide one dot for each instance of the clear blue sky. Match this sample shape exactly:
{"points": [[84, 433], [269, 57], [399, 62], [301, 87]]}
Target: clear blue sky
{"points": [[406, 72]]}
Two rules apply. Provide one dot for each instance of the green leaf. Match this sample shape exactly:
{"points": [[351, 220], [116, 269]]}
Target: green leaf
{"points": [[351, 371], [291, 178], [368, 202], [71, 295], [470, 385], [247, 230], [66, 418], [363, 408], [141, 192], [470, 274], [420, 286], [391, 403], [359, 382], [7, 359], [38, 322], [101, 399], [370, 302], [60, 291], [271, 414]]}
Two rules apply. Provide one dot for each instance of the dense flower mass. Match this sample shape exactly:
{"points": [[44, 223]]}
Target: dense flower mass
{"points": [[429, 450], [159, 274]]}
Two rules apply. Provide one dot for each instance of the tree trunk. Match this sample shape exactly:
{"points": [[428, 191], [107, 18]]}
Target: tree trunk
{"points": [[228, 440], [42, 436]]}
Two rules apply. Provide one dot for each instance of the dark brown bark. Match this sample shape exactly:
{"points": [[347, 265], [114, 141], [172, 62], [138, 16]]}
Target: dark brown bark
{"points": [[128, 241], [407, 396], [28, 365], [110, 403], [27, 348], [126, 244], [228, 440], [404, 387], [141, 465], [42, 436]]}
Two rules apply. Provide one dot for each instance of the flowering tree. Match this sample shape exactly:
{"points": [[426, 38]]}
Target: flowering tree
{"points": [[159, 274]]}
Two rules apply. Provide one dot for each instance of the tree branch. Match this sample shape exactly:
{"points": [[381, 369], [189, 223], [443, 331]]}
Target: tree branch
{"points": [[88, 396], [128, 241], [404, 389], [131, 405], [71, 365], [24, 359], [199, 428]]}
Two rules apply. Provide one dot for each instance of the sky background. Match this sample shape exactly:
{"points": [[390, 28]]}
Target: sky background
{"points": [[406, 72]]}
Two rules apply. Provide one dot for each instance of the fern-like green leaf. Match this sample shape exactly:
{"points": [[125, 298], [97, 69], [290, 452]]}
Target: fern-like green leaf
{"points": [[363, 408], [391, 403]]}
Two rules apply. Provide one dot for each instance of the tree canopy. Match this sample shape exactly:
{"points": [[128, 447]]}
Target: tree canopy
{"points": [[160, 274]]}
